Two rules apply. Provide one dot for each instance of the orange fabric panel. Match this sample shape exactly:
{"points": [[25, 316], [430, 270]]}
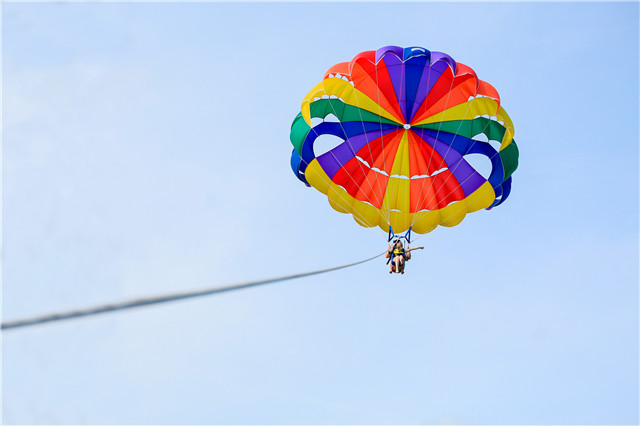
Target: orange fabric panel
{"points": [[374, 81], [422, 195], [385, 160], [417, 161], [373, 191], [342, 68], [366, 83], [447, 189], [447, 94]]}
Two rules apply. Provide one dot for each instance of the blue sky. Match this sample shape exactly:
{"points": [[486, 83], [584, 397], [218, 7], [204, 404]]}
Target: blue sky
{"points": [[145, 150]]}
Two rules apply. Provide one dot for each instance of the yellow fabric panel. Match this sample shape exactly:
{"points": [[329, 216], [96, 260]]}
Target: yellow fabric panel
{"points": [[366, 215], [469, 110], [399, 221], [397, 195], [345, 91], [424, 222], [401, 162], [317, 177], [453, 214], [508, 124], [481, 198], [465, 111], [363, 213], [339, 199], [316, 92]]}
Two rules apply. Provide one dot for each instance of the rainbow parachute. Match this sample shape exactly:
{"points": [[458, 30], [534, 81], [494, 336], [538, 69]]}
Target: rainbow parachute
{"points": [[404, 128]]}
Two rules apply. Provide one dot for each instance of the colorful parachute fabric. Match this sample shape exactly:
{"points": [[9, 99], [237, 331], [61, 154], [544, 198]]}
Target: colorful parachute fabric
{"points": [[407, 121]]}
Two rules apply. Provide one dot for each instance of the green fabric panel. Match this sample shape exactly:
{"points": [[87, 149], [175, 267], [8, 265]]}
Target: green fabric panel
{"points": [[469, 128], [344, 112], [323, 107], [299, 131], [509, 157], [494, 131]]}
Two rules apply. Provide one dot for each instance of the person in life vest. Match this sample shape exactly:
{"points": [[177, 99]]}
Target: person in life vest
{"points": [[398, 255]]}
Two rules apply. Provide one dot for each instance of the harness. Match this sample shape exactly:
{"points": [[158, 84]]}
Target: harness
{"points": [[397, 252]]}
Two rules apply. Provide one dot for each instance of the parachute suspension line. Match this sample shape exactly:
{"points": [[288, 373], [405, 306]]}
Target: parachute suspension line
{"points": [[346, 202], [342, 165], [349, 144], [384, 211], [463, 206], [384, 205], [59, 316], [385, 200], [366, 175], [396, 201], [420, 215], [417, 216]]}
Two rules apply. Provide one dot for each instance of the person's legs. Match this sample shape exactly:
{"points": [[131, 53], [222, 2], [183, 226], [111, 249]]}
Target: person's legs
{"points": [[396, 261]]}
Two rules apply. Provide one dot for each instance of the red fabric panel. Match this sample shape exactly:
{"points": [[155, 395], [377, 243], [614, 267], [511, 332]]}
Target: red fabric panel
{"points": [[350, 176], [422, 195], [447, 189], [361, 182], [373, 189], [374, 81], [417, 161], [382, 151], [435, 192], [446, 94], [486, 89], [434, 160]]}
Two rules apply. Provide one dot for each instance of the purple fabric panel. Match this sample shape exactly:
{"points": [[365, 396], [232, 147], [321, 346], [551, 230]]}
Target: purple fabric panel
{"points": [[358, 141], [439, 56], [448, 154], [395, 49], [335, 159], [355, 143], [438, 67], [469, 179], [395, 68], [428, 79]]}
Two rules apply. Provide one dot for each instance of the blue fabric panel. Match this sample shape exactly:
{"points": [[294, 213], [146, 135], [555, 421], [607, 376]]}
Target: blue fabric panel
{"points": [[457, 142], [414, 51], [413, 70], [298, 166], [469, 146], [497, 171], [506, 187], [341, 130]]}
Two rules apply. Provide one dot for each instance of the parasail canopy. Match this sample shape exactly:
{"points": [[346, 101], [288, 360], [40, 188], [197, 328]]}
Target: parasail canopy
{"points": [[405, 138]]}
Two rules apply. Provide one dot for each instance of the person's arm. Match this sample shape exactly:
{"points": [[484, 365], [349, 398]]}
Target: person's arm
{"points": [[388, 253], [415, 248]]}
